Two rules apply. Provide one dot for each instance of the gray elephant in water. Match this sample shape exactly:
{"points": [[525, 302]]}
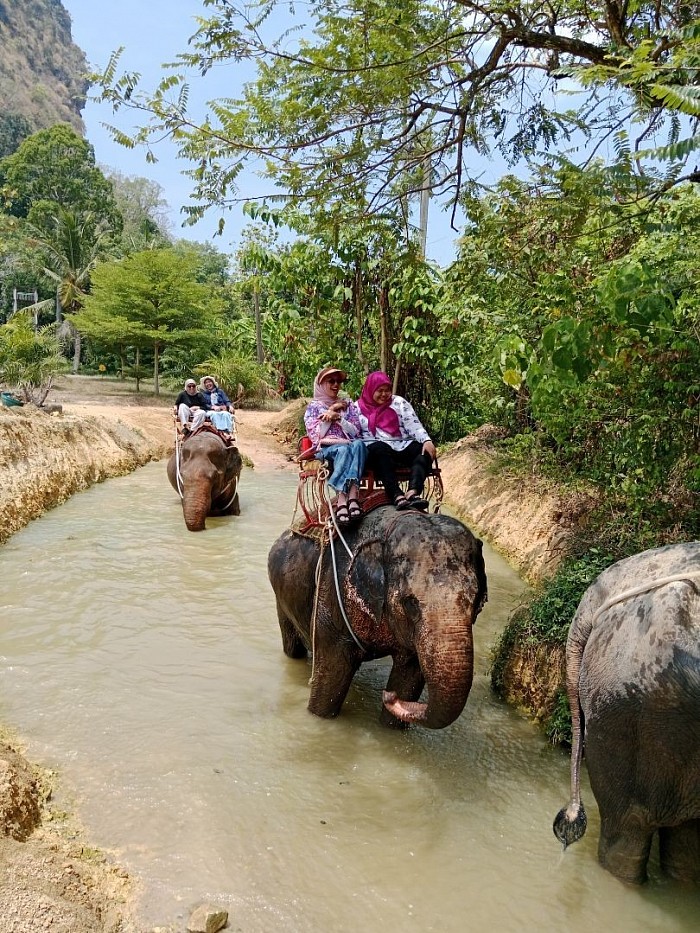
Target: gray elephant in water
{"points": [[205, 471], [411, 587], [633, 681]]}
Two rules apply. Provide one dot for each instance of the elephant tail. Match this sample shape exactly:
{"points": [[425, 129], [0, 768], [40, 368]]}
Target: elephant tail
{"points": [[571, 821]]}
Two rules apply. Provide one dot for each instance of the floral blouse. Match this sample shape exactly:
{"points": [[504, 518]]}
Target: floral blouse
{"points": [[348, 428], [411, 428]]}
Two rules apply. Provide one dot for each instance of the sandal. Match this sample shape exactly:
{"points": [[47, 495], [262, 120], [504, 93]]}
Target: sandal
{"points": [[354, 510], [401, 502], [342, 514], [418, 503]]}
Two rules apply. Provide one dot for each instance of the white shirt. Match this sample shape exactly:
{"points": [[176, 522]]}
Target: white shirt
{"points": [[409, 423]]}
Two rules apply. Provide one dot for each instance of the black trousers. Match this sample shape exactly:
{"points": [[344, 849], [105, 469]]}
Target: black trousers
{"points": [[382, 460]]}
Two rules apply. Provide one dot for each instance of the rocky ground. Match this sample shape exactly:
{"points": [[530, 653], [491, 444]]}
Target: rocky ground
{"points": [[50, 879]]}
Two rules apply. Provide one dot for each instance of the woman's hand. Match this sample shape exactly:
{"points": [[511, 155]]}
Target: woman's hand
{"points": [[430, 449]]}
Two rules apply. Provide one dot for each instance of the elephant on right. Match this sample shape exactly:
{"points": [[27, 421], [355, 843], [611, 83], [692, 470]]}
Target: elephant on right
{"points": [[633, 681]]}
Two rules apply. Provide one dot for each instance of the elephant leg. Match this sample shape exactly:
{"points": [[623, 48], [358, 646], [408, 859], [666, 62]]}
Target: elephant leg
{"points": [[332, 675], [679, 851], [624, 845], [292, 645], [406, 681], [235, 506]]}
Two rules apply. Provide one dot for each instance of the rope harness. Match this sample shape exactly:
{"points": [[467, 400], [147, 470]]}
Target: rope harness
{"points": [[645, 588]]}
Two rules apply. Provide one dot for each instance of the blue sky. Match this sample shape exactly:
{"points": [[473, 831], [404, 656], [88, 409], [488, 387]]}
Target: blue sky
{"points": [[153, 32]]}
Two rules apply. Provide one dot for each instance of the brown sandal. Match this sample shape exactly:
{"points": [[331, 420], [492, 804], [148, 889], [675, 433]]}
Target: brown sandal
{"points": [[342, 514]]}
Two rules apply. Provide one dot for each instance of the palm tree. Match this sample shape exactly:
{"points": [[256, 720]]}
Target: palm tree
{"points": [[71, 247]]}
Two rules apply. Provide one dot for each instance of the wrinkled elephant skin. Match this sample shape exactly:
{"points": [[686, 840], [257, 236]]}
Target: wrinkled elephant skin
{"points": [[208, 478], [633, 680], [412, 589]]}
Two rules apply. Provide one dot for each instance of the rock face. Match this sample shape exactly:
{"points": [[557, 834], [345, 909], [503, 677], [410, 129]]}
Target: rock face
{"points": [[41, 69], [45, 458]]}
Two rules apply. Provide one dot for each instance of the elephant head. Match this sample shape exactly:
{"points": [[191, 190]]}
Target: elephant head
{"points": [[205, 472], [412, 589]]}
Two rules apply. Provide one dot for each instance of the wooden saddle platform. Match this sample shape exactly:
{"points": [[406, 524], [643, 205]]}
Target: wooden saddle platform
{"points": [[315, 498]]}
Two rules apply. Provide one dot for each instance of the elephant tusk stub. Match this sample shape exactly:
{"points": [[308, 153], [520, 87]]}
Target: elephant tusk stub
{"points": [[404, 710]]}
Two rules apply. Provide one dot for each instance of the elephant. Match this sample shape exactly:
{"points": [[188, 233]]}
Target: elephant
{"points": [[208, 477], [633, 681], [411, 586]]}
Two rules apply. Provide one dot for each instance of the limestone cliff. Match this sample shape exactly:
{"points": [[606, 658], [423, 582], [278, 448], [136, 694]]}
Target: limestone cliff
{"points": [[41, 69]]}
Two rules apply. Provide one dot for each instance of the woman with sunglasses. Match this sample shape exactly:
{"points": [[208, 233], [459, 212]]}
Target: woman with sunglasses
{"points": [[333, 425], [395, 437]]}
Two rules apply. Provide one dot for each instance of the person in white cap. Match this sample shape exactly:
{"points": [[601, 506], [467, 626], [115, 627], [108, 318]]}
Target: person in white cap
{"points": [[191, 407]]}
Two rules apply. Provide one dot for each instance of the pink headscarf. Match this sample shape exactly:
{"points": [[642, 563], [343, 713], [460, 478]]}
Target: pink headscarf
{"points": [[378, 416]]}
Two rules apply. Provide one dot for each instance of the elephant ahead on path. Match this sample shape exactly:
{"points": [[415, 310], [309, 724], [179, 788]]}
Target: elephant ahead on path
{"points": [[205, 472], [633, 680], [411, 587]]}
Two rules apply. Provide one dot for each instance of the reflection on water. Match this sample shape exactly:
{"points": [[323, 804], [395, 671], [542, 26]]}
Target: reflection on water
{"points": [[145, 663]]}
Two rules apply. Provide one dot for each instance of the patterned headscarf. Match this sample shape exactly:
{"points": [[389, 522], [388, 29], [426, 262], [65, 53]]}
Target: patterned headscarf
{"points": [[320, 391], [379, 416]]}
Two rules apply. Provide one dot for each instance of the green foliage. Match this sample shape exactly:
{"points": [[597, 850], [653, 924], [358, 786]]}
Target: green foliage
{"points": [[545, 620], [58, 166], [14, 128], [558, 727], [151, 300], [29, 359], [242, 379]]}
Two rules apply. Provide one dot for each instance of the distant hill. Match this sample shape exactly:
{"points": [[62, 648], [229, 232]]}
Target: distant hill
{"points": [[41, 70]]}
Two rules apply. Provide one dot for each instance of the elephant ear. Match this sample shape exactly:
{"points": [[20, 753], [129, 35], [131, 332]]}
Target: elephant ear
{"points": [[365, 587]]}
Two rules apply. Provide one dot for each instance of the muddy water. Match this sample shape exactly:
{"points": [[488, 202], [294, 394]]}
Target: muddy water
{"points": [[144, 663]]}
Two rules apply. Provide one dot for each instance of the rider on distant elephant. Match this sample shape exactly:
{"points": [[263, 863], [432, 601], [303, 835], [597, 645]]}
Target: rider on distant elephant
{"points": [[220, 407], [191, 407]]}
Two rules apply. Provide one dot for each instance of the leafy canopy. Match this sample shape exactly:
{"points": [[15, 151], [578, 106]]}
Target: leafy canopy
{"points": [[363, 104]]}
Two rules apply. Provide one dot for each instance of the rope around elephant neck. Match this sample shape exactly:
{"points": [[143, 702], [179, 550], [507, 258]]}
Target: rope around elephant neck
{"points": [[340, 598], [235, 491], [178, 474], [644, 588]]}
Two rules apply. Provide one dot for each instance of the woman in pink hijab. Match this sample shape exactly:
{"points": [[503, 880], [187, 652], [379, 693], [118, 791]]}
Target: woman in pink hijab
{"points": [[395, 437], [333, 425]]}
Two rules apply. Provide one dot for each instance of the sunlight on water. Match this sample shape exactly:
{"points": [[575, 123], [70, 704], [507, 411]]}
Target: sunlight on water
{"points": [[144, 663]]}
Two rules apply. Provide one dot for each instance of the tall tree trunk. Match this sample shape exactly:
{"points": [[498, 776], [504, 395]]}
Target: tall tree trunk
{"points": [[258, 323], [156, 361], [137, 368], [357, 295], [384, 328], [76, 349]]}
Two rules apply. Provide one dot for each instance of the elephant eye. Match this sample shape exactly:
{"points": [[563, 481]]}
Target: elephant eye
{"points": [[411, 607]]}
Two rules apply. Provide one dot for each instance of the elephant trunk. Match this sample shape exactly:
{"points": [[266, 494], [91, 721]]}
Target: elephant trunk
{"points": [[195, 507], [446, 657]]}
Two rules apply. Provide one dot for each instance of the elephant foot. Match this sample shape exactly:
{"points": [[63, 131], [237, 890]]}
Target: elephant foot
{"points": [[404, 710]]}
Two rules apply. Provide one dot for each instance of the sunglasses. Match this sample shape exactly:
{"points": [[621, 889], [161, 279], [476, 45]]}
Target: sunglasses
{"points": [[334, 381]]}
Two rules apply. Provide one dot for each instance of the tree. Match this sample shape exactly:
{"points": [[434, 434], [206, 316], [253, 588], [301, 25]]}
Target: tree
{"points": [[388, 98], [144, 211], [29, 359], [54, 169], [151, 300], [70, 244]]}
